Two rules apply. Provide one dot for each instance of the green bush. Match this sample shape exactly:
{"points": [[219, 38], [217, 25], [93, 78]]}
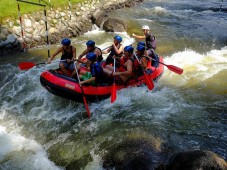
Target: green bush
{"points": [[9, 8]]}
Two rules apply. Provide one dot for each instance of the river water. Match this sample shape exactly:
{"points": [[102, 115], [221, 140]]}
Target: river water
{"points": [[183, 112]]}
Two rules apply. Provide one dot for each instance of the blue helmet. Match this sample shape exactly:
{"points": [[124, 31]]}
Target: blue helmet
{"points": [[66, 41], [129, 49], [90, 43], [141, 43], [91, 56], [118, 38], [140, 48]]}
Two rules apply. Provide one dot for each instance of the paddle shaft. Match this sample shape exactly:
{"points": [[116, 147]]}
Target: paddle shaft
{"points": [[148, 80], [82, 91], [170, 67], [28, 65], [106, 48], [114, 91]]}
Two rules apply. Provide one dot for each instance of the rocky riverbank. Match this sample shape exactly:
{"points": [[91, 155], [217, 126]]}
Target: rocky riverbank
{"points": [[61, 22]]}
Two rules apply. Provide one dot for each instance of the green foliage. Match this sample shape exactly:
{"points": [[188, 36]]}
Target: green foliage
{"points": [[9, 8]]}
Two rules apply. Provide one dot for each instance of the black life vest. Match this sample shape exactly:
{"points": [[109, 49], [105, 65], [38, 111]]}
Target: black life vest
{"points": [[110, 59], [99, 58], [66, 54], [150, 41]]}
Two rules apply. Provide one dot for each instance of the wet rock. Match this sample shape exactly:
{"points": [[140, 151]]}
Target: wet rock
{"points": [[99, 17], [133, 154], [114, 25], [196, 160], [3, 36], [11, 38], [27, 23]]}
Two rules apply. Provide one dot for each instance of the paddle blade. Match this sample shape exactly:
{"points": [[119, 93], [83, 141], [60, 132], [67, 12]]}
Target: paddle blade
{"points": [[86, 106], [175, 69], [26, 65], [149, 82], [113, 93]]}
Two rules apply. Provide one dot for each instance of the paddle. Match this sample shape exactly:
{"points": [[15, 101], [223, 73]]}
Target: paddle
{"points": [[148, 80], [28, 65], [114, 91], [171, 67], [84, 98], [106, 48]]}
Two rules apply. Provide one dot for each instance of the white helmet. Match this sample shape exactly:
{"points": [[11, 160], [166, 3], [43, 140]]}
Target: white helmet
{"points": [[145, 27]]}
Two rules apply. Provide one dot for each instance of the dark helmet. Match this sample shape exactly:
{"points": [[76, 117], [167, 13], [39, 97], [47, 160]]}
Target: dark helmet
{"points": [[118, 38], [91, 56], [90, 43], [140, 48], [141, 43], [129, 49], [66, 41]]}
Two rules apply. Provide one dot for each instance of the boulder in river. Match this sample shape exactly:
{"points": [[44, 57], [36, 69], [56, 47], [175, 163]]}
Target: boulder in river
{"points": [[114, 25], [195, 160]]}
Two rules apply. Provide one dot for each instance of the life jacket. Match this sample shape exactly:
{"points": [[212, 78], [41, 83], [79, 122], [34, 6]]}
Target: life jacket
{"points": [[137, 68], [97, 72], [150, 41], [99, 58], [66, 54], [109, 59], [122, 67], [113, 52], [151, 53], [149, 64]]}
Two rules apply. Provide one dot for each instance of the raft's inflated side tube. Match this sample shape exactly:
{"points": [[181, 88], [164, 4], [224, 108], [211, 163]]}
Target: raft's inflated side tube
{"points": [[67, 87]]}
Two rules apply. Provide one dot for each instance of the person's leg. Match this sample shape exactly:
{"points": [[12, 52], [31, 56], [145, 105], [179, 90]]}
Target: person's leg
{"points": [[63, 66], [108, 70], [74, 67]]}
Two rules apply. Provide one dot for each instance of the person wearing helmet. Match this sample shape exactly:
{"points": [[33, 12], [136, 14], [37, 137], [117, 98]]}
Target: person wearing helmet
{"points": [[95, 74], [116, 51], [150, 53], [82, 67], [68, 54], [144, 62], [141, 43], [149, 37], [92, 48], [124, 71]]}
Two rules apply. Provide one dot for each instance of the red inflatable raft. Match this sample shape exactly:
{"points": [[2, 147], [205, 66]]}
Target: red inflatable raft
{"points": [[67, 87]]}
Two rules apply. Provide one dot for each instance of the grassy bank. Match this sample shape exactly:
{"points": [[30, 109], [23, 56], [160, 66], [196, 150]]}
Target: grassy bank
{"points": [[9, 8]]}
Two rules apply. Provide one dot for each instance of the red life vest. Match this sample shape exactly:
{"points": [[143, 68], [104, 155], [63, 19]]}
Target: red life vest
{"points": [[122, 67], [137, 67], [149, 64]]}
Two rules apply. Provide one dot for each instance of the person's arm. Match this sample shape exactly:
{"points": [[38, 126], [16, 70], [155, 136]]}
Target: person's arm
{"points": [[74, 53], [144, 62], [83, 54], [138, 36], [87, 81], [56, 53], [81, 61], [97, 52], [107, 50], [127, 72], [118, 51]]}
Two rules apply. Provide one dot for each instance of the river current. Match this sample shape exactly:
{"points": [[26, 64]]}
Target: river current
{"points": [[183, 112]]}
